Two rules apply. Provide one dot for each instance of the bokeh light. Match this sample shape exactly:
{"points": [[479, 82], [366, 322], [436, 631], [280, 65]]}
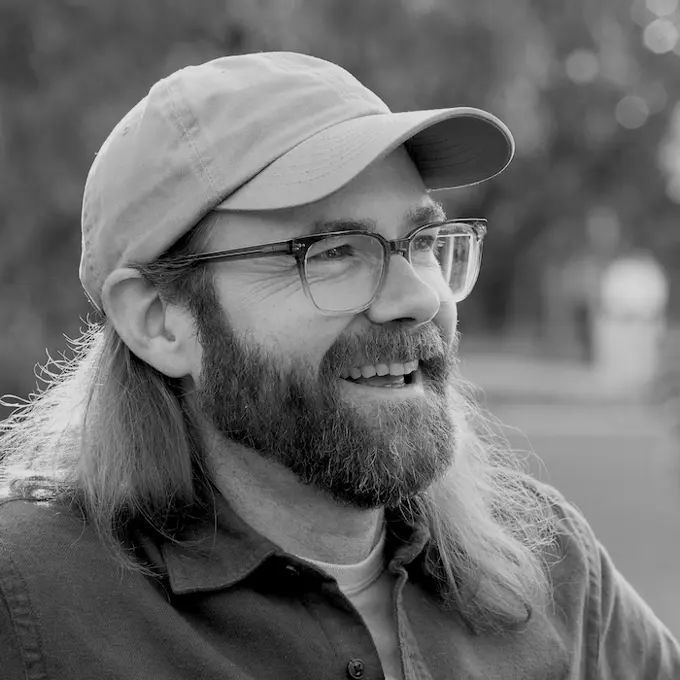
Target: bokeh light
{"points": [[582, 66], [632, 112], [639, 13], [661, 36], [662, 8]]}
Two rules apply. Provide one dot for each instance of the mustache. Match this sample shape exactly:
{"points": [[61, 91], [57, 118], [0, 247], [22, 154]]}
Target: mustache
{"points": [[377, 345]]}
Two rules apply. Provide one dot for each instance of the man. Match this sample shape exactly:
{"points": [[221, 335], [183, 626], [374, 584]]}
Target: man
{"points": [[261, 463]]}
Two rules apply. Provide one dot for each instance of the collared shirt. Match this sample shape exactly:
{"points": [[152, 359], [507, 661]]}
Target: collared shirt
{"points": [[368, 585], [237, 607]]}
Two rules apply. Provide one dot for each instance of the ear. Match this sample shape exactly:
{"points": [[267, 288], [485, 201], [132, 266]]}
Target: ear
{"points": [[160, 334]]}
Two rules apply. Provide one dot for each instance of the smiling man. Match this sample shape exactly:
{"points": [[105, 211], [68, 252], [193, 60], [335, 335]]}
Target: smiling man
{"points": [[262, 462]]}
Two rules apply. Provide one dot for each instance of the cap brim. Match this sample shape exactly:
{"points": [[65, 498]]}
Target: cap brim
{"points": [[451, 148]]}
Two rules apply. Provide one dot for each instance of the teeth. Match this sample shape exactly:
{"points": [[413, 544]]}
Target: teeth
{"points": [[393, 368], [369, 371], [410, 366], [382, 369], [397, 369]]}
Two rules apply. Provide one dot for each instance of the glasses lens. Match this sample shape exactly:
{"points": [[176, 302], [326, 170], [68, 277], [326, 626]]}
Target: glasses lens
{"points": [[453, 249], [343, 272]]}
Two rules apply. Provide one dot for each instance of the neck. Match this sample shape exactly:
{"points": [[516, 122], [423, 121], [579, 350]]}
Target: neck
{"points": [[299, 518]]}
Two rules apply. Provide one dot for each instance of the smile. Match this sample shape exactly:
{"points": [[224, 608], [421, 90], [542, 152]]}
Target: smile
{"points": [[394, 376]]}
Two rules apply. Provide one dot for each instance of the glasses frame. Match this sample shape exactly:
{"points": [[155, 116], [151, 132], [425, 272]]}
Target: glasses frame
{"points": [[298, 248]]}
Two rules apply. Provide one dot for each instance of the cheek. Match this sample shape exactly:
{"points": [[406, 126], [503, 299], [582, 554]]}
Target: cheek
{"points": [[300, 340], [280, 318], [255, 303]]}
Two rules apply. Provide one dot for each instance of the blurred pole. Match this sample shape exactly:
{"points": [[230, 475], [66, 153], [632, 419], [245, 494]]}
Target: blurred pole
{"points": [[631, 322]]}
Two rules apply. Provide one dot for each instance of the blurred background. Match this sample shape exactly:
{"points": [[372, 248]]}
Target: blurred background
{"points": [[571, 333]]}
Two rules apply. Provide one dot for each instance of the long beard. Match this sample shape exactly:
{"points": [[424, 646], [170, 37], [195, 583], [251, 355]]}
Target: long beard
{"points": [[364, 457]]}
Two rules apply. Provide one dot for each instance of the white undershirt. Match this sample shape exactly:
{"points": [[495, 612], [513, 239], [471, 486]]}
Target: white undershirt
{"points": [[368, 586]]}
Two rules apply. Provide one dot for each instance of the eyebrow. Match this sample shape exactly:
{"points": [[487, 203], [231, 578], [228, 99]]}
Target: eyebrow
{"points": [[415, 217]]}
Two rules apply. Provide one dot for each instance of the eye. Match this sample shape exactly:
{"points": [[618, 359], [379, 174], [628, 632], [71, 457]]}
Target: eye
{"points": [[425, 243], [333, 252]]}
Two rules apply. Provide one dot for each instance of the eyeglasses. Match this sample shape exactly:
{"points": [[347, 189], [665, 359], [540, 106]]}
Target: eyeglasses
{"points": [[343, 272]]}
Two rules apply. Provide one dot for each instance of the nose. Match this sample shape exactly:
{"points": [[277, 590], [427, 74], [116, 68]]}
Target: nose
{"points": [[404, 297]]}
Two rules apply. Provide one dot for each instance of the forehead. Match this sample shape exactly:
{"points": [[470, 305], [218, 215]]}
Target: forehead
{"points": [[388, 197]]}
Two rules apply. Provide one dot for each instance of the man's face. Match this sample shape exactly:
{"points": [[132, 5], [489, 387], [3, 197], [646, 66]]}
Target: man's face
{"points": [[272, 364]]}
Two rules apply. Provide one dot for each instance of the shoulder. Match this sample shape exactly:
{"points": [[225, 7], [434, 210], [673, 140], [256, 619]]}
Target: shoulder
{"points": [[574, 537], [614, 631], [32, 525], [574, 555], [571, 554], [571, 559], [47, 545], [17, 514], [62, 592], [44, 552]]}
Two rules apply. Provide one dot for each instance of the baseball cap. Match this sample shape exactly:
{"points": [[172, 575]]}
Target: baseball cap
{"points": [[258, 132]]}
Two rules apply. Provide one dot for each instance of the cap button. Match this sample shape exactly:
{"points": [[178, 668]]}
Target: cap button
{"points": [[356, 669]]}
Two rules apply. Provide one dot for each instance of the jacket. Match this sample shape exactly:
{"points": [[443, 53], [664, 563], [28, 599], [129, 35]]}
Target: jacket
{"points": [[237, 607]]}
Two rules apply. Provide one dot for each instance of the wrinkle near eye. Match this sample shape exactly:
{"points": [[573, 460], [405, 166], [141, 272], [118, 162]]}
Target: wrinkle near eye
{"points": [[280, 284]]}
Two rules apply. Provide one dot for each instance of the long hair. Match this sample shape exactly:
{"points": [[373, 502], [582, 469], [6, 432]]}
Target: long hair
{"points": [[112, 436]]}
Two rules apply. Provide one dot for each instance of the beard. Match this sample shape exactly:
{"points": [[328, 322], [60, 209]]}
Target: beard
{"points": [[363, 456]]}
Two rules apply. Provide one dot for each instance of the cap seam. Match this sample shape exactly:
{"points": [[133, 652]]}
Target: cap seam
{"points": [[187, 135]]}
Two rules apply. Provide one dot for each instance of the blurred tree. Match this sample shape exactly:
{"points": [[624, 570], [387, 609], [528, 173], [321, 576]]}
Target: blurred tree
{"points": [[589, 105]]}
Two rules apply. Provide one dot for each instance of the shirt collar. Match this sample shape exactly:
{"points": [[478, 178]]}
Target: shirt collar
{"points": [[215, 552], [222, 550], [405, 541]]}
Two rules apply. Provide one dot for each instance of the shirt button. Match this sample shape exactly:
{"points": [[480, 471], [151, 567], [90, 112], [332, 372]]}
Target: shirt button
{"points": [[355, 669]]}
